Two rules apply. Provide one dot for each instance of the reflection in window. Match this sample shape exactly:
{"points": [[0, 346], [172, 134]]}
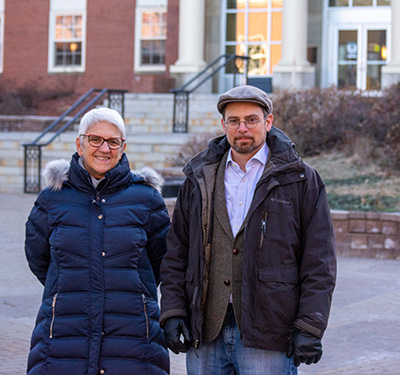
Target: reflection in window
{"points": [[254, 29], [362, 3], [153, 36], [68, 40], [376, 58], [347, 59], [338, 3], [359, 3], [255, 4]]}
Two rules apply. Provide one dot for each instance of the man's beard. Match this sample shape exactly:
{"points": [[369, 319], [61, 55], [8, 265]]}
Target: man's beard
{"points": [[247, 148]]}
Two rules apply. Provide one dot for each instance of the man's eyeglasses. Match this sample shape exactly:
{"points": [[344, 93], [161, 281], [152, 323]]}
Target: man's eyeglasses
{"points": [[97, 141], [250, 123]]}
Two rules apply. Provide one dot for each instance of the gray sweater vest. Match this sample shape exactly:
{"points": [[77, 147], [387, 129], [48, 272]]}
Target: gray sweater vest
{"points": [[225, 273]]}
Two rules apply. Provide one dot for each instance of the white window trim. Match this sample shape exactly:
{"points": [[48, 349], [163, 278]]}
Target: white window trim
{"points": [[138, 32], [51, 56], [1, 41]]}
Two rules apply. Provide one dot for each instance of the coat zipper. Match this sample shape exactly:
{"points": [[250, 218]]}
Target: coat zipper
{"points": [[263, 229], [53, 314], [146, 316]]}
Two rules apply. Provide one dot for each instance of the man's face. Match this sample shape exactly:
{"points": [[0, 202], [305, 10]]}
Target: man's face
{"points": [[243, 140], [99, 160]]}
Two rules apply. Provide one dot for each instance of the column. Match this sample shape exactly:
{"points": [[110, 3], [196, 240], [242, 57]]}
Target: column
{"points": [[391, 71], [191, 41], [294, 71]]}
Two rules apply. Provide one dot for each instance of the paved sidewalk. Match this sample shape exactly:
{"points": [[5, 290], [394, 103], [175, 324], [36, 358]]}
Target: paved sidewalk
{"points": [[363, 336]]}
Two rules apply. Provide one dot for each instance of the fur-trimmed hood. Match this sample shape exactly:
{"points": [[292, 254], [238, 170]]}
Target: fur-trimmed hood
{"points": [[56, 173]]}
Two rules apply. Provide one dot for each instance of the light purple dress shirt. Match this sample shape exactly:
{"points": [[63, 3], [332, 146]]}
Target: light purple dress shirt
{"points": [[240, 186]]}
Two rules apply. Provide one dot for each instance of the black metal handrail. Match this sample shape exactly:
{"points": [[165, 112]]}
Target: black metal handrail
{"points": [[33, 150], [181, 95]]}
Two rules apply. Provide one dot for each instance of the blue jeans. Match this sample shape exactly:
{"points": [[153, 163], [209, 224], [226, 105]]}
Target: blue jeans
{"points": [[227, 356]]}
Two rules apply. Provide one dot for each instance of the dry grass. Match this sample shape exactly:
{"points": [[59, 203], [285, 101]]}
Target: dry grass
{"points": [[356, 185]]}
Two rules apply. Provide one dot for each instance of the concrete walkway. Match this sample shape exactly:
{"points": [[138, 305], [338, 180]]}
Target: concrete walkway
{"points": [[363, 336]]}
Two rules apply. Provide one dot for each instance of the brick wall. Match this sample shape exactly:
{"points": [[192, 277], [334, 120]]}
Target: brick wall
{"points": [[364, 234], [369, 234], [110, 37]]}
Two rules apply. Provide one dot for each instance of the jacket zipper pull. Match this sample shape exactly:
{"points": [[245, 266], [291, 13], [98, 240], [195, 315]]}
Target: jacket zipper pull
{"points": [[263, 230]]}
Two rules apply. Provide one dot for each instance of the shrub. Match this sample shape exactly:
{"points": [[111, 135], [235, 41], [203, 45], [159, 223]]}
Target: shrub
{"points": [[364, 126], [23, 100], [193, 146]]}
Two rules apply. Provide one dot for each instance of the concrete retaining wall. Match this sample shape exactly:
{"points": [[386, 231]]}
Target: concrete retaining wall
{"points": [[368, 234]]}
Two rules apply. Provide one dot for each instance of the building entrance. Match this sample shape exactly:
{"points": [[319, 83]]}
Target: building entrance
{"points": [[357, 47]]}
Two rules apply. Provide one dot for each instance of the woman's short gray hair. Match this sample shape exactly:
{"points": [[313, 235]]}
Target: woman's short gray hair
{"points": [[102, 114]]}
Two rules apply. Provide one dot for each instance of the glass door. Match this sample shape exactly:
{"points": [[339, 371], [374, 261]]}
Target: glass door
{"points": [[361, 53], [376, 58], [347, 59]]}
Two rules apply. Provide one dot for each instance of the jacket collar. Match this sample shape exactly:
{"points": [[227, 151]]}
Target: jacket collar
{"points": [[282, 154], [61, 172]]}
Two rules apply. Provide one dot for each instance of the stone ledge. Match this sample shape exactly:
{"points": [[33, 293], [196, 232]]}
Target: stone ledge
{"points": [[379, 243]]}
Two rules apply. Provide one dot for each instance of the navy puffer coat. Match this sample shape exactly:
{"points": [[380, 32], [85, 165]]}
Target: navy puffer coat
{"points": [[98, 254]]}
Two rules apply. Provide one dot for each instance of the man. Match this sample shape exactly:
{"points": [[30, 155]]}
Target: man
{"points": [[250, 265]]}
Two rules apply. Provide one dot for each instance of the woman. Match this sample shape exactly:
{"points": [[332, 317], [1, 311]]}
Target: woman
{"points": [[95, 239]]}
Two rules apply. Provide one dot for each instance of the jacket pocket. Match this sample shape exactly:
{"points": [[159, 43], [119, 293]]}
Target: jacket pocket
{"points": [[53, 315], [277, 295], [146, 316]]}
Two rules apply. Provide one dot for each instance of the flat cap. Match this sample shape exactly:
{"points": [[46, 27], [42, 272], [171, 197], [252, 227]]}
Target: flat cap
{"points": [[245, 93]]}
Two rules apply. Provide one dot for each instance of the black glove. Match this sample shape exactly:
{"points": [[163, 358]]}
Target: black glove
{"points": [[305, 348], [173, 329]]}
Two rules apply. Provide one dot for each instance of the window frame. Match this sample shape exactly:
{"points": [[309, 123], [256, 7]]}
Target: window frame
{"points": [[138, 67], [52, 67], [1, 41], [269, 43]]}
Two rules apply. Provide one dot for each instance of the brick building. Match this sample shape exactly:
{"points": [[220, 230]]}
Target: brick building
{"points": [[124, 44], [150, 46]]}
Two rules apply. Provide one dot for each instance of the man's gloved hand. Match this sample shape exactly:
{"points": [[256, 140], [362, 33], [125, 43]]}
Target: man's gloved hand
{"points": [[305, 348], [173, 329]]}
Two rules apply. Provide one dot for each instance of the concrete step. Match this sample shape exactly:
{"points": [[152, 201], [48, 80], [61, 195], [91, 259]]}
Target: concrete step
{"points": [[147, 149]]}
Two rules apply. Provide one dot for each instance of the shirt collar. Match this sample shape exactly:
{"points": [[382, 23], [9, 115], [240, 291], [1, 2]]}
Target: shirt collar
{"points": [[261, 155]]}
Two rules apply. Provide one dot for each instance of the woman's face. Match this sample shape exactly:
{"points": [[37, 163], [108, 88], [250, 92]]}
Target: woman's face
{"points": [[99, 160]]}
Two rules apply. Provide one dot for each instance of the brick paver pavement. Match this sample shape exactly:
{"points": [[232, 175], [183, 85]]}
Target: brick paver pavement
{"points": [[363, 336]]}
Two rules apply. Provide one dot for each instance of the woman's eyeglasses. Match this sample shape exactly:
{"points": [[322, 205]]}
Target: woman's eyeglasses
{"points": [[97, 141]]}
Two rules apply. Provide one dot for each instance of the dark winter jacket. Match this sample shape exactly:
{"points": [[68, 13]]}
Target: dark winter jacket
{"points": [[289, 262], [97, 253]]}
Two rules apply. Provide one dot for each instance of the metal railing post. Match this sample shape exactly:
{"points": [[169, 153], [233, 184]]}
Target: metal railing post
{"points": [[180, 121], [181, 111], [32, 164]]}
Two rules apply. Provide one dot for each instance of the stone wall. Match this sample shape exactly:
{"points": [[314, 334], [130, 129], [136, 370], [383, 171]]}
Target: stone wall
{"points": [[367, 234], [364, 234]]}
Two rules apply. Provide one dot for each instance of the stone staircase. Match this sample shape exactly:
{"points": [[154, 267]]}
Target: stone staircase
{"points": [[150, 140]]}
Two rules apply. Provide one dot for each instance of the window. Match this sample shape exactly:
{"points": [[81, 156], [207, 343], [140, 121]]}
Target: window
{"points": [[358, 3], [254, 29], [151, 35], [68, 41], [67, 36]]}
